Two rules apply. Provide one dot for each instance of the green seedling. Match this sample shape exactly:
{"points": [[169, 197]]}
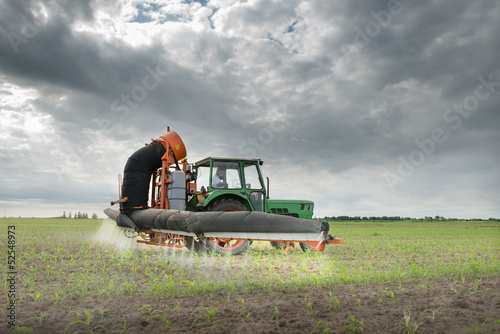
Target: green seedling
{"points": [[276, 313], [103, 313], [353, 325], [82, 292], [85, 322], [478, 328], [475, 287], [391, 295], [59, 250], [37, 297], [380, 298], [493, 321], [148, 309], [48, 271], [308, 308], [244, 317], [123, 327], [409, 326], [242, 301], [41, 317], [165, 322], [326, 329], [130, 287], [209, 318], [474, 330], [22, 330], [58, 296], [431, 314], [334, 303], [133, 268]]}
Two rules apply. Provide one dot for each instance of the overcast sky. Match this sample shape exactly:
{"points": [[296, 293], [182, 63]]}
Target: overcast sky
{"points": [[368, 108]]}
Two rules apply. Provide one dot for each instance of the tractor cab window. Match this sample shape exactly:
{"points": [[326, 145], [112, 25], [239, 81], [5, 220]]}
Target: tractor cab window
{"points": [[226, 175], [257, 199], [252, 180], [202, 177]]}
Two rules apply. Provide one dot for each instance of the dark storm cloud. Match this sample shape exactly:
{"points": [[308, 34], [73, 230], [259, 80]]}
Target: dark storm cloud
{"points": [[434, 43], [54, 58], [97, 78], [39, 49]]}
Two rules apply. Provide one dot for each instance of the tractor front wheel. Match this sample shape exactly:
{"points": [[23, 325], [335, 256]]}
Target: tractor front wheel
{"points": [[227, 246]]}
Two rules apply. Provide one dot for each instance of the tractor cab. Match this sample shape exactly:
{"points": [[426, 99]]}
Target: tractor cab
{"points": [[228, 184], [238, 181]]}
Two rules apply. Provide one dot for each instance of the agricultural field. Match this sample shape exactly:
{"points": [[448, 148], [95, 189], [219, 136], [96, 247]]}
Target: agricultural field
{"points": [[85, 276]]}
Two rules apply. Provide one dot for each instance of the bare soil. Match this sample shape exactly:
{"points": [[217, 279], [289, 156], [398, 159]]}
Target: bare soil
{"points": [[435, 307]]}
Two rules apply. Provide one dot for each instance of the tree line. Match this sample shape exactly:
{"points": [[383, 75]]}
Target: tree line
{"points": [[79, 215]]}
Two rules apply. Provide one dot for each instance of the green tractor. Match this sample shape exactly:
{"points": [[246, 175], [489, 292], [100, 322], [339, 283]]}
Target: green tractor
{"points": [[225, 184], [187, 204]]}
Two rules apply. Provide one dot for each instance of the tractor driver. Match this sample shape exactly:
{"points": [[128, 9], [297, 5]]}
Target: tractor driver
{"points": [[218, 178]]}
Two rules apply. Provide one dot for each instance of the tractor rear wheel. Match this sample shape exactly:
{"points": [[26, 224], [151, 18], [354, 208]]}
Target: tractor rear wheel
{"points": [[227, 246]]}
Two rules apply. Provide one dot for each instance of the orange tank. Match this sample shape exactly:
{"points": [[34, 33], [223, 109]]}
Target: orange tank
{"points": [[175, 142]]}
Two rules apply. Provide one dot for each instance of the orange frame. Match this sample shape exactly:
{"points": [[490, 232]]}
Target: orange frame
{"points": [[178, 241]]}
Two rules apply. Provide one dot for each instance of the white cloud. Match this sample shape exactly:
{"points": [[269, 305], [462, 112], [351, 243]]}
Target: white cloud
{"points": [[12, 96]]}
